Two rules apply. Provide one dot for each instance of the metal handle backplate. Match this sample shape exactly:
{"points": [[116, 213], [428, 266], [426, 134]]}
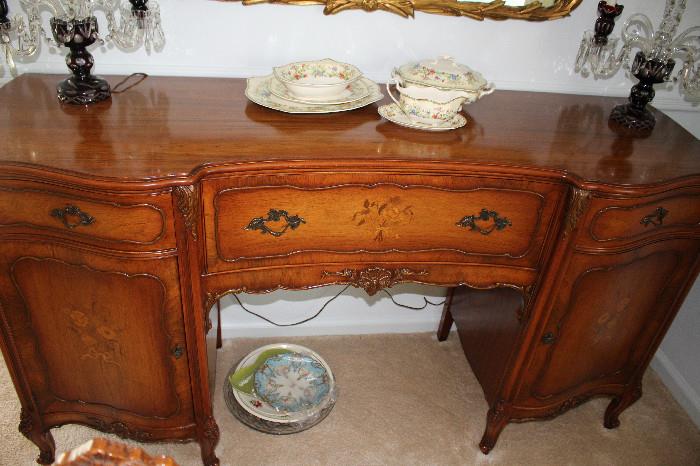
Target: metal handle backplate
{"points": [[655, 218], [73, 212], [470, 221], [275, 215]]}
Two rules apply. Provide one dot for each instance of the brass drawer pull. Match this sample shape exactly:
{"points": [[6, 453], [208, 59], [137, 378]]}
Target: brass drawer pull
{"points": [[499, 223], [178, 351], [656, 218], [69, 211], [274, 215]]}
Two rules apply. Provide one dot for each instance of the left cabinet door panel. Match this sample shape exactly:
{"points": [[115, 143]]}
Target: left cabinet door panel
{"points": [[98, 340]]}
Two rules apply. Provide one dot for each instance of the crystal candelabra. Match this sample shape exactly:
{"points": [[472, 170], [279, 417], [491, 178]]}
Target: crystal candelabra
{"points": [[653, 63], [74, 25]]}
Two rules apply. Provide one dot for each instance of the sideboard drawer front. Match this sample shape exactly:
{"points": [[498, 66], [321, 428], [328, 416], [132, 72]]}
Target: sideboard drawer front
{"points": [[114, 221], [633, 219], [252, 223]]}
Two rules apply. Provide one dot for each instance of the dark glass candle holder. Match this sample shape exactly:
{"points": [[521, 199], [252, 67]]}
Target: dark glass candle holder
{"points": [[634, 114], [82, 88], [605, 23]]}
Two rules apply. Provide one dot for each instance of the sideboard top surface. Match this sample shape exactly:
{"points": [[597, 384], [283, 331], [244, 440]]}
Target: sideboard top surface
{"points": [[170, 128]]}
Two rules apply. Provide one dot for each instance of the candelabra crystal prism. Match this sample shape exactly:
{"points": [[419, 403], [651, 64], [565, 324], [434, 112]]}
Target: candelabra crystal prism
{"points": [[73, 25], [659, 49]]}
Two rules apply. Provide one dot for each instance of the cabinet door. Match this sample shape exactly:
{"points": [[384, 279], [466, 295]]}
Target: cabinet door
{"points": [[610, 314], [99, 340]]}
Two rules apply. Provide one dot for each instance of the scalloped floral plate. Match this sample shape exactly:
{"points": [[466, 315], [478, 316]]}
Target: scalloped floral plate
{"points": [[258, 91]]}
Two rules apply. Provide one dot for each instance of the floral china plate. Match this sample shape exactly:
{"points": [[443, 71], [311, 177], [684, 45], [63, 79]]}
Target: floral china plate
{"points": [[292, 382], [258, 91], [354, 91], [256, 409], [394, 114]]}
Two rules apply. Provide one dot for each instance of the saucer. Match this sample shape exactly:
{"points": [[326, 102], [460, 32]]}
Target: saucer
{"points": [[394, 114], [258, 91], [354, 91]]}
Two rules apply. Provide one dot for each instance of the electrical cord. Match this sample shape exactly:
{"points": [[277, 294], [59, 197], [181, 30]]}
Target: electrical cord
{"points": [[393, 300], [115, 88]]}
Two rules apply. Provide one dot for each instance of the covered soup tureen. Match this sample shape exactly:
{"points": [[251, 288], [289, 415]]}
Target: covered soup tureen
{"points": [[443, 73], [431, 94]]}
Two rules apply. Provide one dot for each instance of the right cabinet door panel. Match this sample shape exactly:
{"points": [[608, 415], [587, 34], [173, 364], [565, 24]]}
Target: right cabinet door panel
{"points": [[610, 314]]}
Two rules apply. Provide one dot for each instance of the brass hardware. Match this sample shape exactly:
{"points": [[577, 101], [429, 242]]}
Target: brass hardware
{"points": [[499, 223], [274, 215], [548, 338], [577, 206], [68, 211], [656, 218], [178, 351]]}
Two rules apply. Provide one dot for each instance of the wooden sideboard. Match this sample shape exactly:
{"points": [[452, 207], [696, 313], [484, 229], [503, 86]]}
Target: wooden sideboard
{"points": [[569, 247]]}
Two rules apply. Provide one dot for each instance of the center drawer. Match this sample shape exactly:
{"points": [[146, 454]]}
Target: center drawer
{"points": [[466, 221]]}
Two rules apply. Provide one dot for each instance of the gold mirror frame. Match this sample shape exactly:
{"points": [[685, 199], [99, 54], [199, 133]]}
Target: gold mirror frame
{"points": [[497, 9]]}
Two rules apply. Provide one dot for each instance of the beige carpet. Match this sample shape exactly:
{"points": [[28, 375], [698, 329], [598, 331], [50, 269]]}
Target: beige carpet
{"points": [[409, 400]]}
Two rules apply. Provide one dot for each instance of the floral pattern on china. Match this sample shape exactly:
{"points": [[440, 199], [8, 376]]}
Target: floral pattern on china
{"points": [[292, 382], [324, 69], [320, 79], [443, 73]]}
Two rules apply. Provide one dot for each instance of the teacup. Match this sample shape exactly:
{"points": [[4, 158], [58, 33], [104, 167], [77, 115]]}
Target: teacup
{"points": [[428, 105]]}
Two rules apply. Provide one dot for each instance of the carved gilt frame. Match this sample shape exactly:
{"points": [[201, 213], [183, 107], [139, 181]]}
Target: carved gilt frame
{"points": [[497, 9]]}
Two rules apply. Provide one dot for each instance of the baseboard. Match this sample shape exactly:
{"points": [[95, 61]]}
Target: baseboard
{"points": [[335, 328], [679, 387]]}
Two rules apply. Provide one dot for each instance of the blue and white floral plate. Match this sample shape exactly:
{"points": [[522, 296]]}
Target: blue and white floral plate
{"points": [[292, 382], [284, 388]]}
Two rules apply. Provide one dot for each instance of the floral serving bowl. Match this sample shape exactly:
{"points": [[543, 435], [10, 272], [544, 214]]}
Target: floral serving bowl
{"points": [[317, 80]]}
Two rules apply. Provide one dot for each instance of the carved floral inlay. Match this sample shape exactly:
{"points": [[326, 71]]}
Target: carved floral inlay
{"points": [[382, 217], [98, 341], [373, 279], [604, 328]]}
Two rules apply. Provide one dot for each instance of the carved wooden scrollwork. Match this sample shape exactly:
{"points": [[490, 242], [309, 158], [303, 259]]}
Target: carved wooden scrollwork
{"points": [[187, 198], [25, 422], [121, 429], [536, 11], [577, 206], [373, 279]]}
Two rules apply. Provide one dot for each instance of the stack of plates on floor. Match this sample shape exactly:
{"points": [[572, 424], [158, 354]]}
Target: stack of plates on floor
{"points": [[322, 86], [280, 389]]}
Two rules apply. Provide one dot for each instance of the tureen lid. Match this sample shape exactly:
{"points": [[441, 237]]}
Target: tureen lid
{"points": [[442, 72]]}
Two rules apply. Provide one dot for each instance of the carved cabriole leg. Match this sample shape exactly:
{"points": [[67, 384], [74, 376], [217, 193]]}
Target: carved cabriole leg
{"points": [[42, 439], [446, 321], [496, 419], [619, 404], [208, 439]]}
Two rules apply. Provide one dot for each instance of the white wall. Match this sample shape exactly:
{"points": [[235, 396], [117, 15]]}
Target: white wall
{"points": [[211, 38]]}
